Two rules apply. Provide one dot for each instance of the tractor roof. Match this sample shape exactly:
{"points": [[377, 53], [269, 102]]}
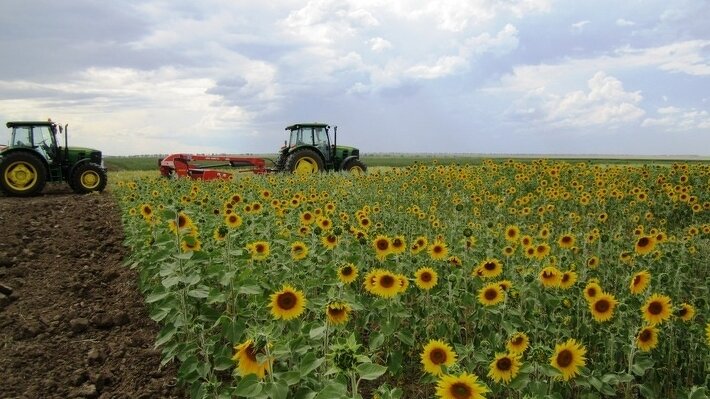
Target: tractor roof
{"points": [[30, 123], [307, 124]]}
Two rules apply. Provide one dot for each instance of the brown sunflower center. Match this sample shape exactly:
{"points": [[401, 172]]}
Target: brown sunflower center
{"points": [[565, 278], [251, 353], [637, 280], [643, 242], [307, 216], [147, 210], [645, 335], [298, 249], [490, 294], [591, 291], [182, 221], [425, 277], [682, 312], [655, 308], [438, 249], [260, 248], [512, 233], [335, 311], [382, 245], [347, 270], [602, 306], [437, 356], [397, 243], [566, 239], [460, 390], [504, 364], [490, 266], [517, 341], [564, 358], [332, 239], [386, 281], [287, 300]]}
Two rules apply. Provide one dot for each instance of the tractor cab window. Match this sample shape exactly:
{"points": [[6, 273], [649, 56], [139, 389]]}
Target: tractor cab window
{"points": [[21, 137], [301, 136], [321, 141], [44, 141]]}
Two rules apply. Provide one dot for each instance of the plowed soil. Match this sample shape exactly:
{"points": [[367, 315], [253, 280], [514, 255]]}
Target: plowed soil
{"points": [[73, 323]]}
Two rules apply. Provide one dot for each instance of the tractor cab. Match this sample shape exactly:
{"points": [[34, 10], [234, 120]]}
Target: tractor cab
{"points": [[34, 156], [309, 149]]}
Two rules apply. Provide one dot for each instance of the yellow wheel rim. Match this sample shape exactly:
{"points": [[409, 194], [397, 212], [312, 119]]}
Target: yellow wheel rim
{"points": [[356, 170], [21, 176], [305, 165], [90, 179]]}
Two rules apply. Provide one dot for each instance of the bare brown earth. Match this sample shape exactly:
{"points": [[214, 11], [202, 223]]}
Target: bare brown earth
{"points": [[75, 324]]}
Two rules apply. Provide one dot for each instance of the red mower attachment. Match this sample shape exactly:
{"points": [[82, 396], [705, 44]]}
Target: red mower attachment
{"points": [[181, 165]]}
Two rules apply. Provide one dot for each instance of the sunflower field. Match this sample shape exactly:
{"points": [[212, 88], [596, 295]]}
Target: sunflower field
{"points": [[509, 279]]}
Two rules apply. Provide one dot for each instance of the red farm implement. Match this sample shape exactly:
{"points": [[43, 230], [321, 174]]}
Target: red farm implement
{"points": [[308, 150]]}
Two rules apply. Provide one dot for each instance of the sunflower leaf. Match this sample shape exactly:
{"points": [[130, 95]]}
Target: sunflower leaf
{"points": [[370, 371], [248, 386]]}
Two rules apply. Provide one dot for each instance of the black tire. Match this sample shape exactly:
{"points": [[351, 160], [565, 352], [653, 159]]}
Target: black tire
{"points": [[355, 166], [304, 161], [88, 177], [22, 174]]}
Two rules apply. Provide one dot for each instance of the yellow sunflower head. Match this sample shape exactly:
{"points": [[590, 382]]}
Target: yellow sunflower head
{"points": [[602, 307], [426, 278], [592, 290], [491, 294], [299, 250], [259, 250], [436, 354], [568, 279], [657, 309], [347, 273], [383, 247], [686, 312], [338, 312], [566, 241], [386, 284], [647, 338], [287, 304], [438, 250], [463, 386], [504, 367], [489, 268], [518, 343], [639, 282], [568, 358], [550, 277], [247, 358], [645, 245], [233, 220]]}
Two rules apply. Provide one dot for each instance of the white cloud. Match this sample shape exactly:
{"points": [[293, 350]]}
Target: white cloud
{"points": [[624, 22], [605, 103], [379, 44], [677, 119], [578, 26]]}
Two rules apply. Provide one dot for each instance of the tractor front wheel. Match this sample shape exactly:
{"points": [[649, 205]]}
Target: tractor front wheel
{"points": [[305, 161], [355, 166], [22, 175], [88, 177]]}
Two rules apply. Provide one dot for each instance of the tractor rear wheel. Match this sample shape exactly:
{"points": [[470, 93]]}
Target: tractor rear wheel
{"points": [[355, 166], [22, 174], [304, 161], [88, 177]]}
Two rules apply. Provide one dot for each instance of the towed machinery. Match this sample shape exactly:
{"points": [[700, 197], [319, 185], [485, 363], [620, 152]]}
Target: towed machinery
{"points": [[34, 157], [308, 150]]}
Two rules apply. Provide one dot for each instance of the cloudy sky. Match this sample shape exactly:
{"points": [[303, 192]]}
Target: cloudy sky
{"points": [[477, 76]]}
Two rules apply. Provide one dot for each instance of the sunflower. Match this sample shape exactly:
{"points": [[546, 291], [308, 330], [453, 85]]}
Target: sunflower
{"points": [[568, 279], [491, 294], [512, 233], [464, 386], [220, 233], [657, 309], [566, 241], [505, 285], [182, 222], [259, 250], [426, 278], [403, 283], [526, 241], [504, 367], [338, 312], [645, 245], [550, 277], [190, 243], [639, 282], [568, 358], [370, 280], [307, 218], [647, 338], [707, 333], [146, 211], [489, 268], [438, 250], [299, 250], [329, 241], [593, 262], [419, 244], [518, 343], [324, 223], [686, 312], [383, 247], [233, 220], [386, 284], [347, 273], [592, 290], [247, 362], [288, 303], [602, 306], [436, 354], [399, 245], [541, 250]]}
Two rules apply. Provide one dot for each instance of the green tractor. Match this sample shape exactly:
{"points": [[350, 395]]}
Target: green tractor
{"points": [[309, 150], [33, 157]]}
